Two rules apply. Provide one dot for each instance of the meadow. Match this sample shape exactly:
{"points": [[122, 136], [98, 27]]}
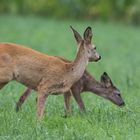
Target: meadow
{"points": [[119, 46]]}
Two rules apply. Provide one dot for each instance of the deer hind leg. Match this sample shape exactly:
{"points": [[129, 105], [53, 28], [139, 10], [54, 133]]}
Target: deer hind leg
{"points": [[67, 97], [22, 98]]}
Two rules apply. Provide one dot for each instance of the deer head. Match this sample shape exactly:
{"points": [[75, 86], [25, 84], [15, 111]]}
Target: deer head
{"points": [[111, 92], [90, 48]]}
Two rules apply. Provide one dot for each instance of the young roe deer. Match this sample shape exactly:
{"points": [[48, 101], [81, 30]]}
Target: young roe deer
{"points": [[43, 73], [105, 88]]}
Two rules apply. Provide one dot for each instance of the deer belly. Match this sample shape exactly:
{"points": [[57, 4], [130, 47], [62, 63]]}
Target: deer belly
{"points": [[29, 80], [59, 88], [31, 83]]}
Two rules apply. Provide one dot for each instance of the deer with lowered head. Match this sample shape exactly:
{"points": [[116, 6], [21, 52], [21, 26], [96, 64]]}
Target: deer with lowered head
{"points": [[43, 73], [105, 88]]}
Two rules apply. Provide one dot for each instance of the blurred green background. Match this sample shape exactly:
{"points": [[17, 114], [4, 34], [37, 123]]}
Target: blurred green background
{"points": [[127, 11]]}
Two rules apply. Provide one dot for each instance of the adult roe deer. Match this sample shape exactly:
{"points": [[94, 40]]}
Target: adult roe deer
{"points": [[43, 73]]}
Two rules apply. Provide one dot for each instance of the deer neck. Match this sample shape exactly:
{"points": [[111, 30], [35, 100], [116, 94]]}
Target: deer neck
{"points": [[94, 86], [80, 63]]}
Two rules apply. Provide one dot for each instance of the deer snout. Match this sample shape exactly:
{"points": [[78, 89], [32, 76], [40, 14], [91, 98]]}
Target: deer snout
{"points": [[98, 58], [122, 104]]}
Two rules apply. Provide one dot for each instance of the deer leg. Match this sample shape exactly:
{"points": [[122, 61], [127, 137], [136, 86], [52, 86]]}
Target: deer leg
{"points": [[67, 97], [79, 101], [22, 98], [41, 104], [2, 85]]}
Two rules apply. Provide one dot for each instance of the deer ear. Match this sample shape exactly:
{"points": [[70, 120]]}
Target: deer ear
{"points": [[76, 35], [88, 34], [105, 79]]}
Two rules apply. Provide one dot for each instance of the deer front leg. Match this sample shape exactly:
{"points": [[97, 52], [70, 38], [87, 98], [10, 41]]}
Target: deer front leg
{"points": [[41, 104], [43, 93], [67, 97], [78, 99], [22, 98]]}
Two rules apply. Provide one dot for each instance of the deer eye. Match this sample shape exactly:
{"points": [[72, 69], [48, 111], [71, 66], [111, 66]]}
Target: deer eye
{"points": [[95, 48], [119, 94]]}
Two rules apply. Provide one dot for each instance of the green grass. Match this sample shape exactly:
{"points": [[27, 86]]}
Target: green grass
{"points": [[119, 46]]}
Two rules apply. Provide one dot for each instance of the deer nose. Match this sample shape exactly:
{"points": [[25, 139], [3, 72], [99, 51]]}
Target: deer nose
{"points": [[99, 57], [122, 104]]}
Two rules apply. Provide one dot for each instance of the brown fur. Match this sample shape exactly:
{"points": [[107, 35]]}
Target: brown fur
{"points": [[105, 89], [88, 83], [43, 73]]}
